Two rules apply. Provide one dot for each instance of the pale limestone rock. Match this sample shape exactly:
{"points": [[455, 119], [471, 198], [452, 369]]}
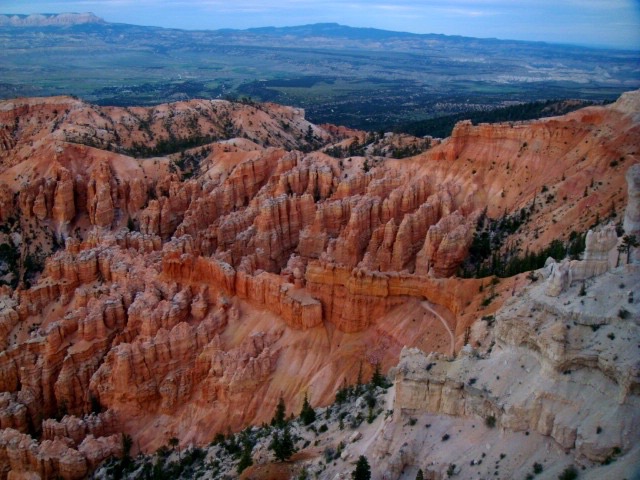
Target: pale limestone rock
{"points": [[597, 260], [632, 212], [559, 278]]}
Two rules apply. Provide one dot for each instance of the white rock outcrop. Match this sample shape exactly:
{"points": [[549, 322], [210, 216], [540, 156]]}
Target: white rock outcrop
{"points": [[632, 213]]}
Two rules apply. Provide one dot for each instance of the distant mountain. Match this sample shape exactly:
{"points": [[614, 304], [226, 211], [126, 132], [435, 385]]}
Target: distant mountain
{"points": [[337, 30], [49, 19]]}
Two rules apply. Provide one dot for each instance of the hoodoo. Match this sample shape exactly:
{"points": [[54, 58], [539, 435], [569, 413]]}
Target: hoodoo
{"points": [[153, 289]]}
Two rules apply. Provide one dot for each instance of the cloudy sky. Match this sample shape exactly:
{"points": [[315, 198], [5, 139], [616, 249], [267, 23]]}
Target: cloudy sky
{"points": [[611, 23]]}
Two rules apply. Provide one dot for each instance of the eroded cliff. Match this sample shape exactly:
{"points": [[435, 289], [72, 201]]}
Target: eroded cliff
{"points": [[197, 285]]}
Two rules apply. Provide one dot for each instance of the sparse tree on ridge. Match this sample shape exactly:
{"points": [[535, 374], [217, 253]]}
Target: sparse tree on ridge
{"points": [[307, 414], [629, 242], [279, 417], [362, 471], [282, 445]]}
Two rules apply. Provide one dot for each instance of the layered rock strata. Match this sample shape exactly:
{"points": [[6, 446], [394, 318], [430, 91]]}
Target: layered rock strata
{"points": [[196, 288], [554, 367]]}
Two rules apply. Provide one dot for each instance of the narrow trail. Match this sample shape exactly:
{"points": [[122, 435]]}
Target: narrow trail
{"points": [[428, 307]]}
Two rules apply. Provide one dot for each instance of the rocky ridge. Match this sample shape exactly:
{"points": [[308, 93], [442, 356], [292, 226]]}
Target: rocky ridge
{"points": [[40, 20], [570, 403], [196, 287]]}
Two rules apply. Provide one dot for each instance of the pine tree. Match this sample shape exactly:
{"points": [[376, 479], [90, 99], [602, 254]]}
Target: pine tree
{"points": [[357, 389], [377, 379], [362, 471], [621, 249], [307, 414], [629, 242], [173, 443], [420, 475], [279, 417], [282, 446], [246, 460]]}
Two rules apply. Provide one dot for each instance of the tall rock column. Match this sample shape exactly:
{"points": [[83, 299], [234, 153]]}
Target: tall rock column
{"points": [[99, 202], [64, 209]]}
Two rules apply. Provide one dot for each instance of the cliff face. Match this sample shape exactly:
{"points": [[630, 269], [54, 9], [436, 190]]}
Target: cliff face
{"points": [[197, 286], [562, 369]]}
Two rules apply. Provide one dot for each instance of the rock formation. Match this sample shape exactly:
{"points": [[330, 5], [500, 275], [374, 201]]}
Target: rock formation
{"points": [[597, 260], [632, 212], [165, 292], [553, 372]]}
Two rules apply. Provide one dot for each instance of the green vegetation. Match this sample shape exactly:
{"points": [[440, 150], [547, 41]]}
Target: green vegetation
{"points": [[629, 242], [485, 257], [379, 380], [119, 468], [379, 84], [346, 393], [166, 146], [282, 444], [279, 417], [490, 421], [441, 127], [246, 460], [569, 473], [307, 414], [9, 258], [362, 470]]}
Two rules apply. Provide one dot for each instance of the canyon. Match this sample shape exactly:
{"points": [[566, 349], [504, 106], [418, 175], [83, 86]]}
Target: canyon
{"points": [[173, 271]]}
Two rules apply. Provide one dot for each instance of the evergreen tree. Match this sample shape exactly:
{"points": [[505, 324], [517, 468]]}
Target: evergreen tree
{"points": [[362, 471], [357, 389], [282, 446], [621, 249], [629, 242], [127, 443], [377, 379], [246, 460], [343, 393], [307, 414], [279, 417], [309, 137], [173, 443], [420, 475]]}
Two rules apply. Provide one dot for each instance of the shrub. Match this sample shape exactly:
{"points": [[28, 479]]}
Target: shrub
{"points": [[329, 454], [490, 421], [569, 473], [583, 290], [537, 468]]}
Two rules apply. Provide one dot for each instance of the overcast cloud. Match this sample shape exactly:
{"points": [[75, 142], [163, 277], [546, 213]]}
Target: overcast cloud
{"points": [[612, 23]]}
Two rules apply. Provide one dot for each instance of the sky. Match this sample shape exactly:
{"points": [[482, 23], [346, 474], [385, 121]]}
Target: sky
{"points": [[605, 23]]}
